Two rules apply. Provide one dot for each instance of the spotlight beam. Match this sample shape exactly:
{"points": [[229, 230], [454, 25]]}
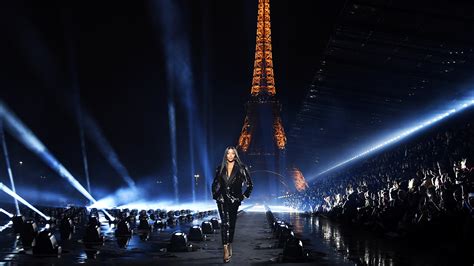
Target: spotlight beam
{"points": [[404, 134], [7, 161], [174, 160], [95, 134], [20, 199], [83, 150], [7, 213], [5, 226], [25, 136], [178, 73], [180, 79]]}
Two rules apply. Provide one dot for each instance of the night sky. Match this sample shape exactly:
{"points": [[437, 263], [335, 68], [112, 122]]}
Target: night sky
{"points": [[111, 56]]}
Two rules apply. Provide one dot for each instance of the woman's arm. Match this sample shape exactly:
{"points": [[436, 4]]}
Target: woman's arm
{"points": [[248, 182], [216, 186]]}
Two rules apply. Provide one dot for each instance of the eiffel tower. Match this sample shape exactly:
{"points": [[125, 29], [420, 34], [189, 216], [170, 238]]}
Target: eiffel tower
{"points": [[262, 140]]}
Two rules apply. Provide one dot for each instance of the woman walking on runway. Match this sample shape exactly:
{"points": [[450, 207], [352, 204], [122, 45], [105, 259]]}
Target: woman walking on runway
{"points": [[227, 191]]}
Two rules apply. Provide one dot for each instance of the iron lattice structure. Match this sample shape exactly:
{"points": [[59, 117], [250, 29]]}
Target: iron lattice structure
{"points": [[263, 139], [263, 82], [263, 79]]}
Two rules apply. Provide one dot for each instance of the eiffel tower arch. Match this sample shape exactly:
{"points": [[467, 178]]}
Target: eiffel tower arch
{"points": [[262, 141]]}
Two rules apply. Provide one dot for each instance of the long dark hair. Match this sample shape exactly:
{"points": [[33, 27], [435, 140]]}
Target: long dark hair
{"points": [[224, 159]]}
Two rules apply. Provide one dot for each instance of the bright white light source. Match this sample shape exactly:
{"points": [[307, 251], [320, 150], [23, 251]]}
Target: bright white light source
{"points": [[275, 209]]}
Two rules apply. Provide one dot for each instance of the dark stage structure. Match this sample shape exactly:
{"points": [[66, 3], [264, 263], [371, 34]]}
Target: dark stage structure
{"points": [[382, 61]]}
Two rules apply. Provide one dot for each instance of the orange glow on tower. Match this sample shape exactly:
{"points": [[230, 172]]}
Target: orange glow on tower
{"points": [[263, 80], [263, 84]]}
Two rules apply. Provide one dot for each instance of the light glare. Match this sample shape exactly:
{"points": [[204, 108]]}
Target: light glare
{"points": [[25, 136], [404, 134], [20, 199], [7, 213]]}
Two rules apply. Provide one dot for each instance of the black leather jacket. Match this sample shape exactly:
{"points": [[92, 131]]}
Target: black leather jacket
{"points": [[230, 189]]}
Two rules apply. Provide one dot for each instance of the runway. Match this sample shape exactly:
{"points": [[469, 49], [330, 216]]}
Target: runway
{"points": [[254, 244]]}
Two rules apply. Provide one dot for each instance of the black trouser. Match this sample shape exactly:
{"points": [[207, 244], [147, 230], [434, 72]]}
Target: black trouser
{"points": [[228, 214]]}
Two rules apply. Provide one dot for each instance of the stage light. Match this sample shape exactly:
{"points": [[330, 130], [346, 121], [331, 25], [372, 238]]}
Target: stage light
{"points": [[293, 251], [207, 227], [7, 213], [46, 244], [20, 199], [179, 241], [162, 204], [28, 233], [189, 217], [405, 133], [123, 228], [18, 221], [182, 219], [195, 233], [93, 235], [160, 224], [215, 223], [25, 136], [66, 228]]}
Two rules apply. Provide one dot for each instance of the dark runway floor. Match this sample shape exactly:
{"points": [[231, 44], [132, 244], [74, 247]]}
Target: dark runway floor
{"points": [[253, 245], [328, 243], [363, 246]]}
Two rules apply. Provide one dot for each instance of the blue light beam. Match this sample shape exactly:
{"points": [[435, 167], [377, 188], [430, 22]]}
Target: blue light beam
{"points": [[404, 134], [20, 199], [174, 149], [3, 227], [83, 148], [7, 161], [25, 136], [95, 134], [165, 18], [170, 22], [6, 213]]}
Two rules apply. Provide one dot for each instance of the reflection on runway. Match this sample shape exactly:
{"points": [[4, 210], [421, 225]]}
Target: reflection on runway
{"points": [[360, 246]]}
